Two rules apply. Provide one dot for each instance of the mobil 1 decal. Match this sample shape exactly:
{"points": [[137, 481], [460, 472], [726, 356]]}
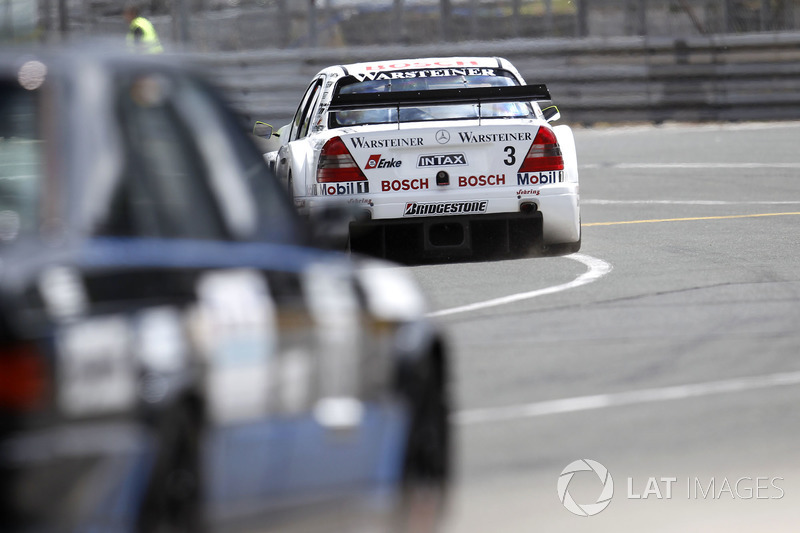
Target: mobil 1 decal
{"points": [[546, 177], [338, 189]]}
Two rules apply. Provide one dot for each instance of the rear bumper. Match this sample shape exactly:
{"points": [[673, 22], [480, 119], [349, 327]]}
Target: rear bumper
{"points": [[503, 234]]}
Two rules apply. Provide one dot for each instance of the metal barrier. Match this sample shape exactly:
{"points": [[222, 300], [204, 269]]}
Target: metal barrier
{"points": [[701, 78]]}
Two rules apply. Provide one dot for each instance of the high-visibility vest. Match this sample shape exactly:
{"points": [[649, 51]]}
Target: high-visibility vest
{"points": [[149, 41]]}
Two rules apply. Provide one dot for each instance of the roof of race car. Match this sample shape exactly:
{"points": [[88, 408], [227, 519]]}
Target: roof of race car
{"points": [[425, 63]]}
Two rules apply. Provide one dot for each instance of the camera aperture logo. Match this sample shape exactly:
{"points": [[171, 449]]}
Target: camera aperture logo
{"points": [[585, 509]]}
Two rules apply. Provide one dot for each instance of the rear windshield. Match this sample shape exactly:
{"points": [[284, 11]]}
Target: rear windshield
{"points": [[21, 160], [422, 80]]}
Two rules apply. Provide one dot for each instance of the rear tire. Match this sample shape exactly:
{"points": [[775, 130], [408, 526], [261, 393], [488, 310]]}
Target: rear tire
{"points": [[173, 500], [427, 462], [565, 248]]}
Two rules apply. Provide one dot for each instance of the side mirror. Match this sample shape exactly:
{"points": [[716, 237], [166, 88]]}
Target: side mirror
{"points": [[263, 130], [551, 114]]}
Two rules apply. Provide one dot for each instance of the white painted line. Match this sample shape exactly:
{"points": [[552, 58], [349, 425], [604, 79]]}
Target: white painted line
{"points": [[679, 127], [598, 201], [597, 269], [602, 401], [690, 166]]}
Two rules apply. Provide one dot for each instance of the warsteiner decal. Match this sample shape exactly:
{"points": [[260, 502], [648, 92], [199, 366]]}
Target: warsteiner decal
{"points": [[418, 209], [469, 137], [423, 73], [363, 142]]}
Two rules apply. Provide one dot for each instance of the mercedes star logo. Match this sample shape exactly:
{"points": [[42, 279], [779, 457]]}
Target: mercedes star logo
{"points": [[442, 137]]}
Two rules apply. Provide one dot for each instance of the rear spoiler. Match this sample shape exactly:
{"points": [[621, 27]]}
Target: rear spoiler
{"points": [[470, 95]]}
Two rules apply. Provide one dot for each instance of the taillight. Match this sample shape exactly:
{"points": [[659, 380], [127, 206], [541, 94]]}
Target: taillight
{"points": [[23, 378], [336, 164], [544, 154]]}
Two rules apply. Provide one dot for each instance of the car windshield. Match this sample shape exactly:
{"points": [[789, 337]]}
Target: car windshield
{"points": [[426, 80], [21, 157]]}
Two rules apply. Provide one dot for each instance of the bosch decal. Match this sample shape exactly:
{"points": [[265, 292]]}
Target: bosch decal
{"points": [[337, 189], [540, 178], [375, 161], [404, 185], [481, 181], [416, 209], [469, 137], [362, 142], [441, 160]]}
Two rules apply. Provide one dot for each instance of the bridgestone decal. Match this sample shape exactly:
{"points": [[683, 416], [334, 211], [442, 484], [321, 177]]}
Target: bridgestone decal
{"points": [[416, 209]]}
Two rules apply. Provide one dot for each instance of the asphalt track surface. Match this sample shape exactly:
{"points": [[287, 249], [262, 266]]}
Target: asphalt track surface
{"points": [[668, 348]]}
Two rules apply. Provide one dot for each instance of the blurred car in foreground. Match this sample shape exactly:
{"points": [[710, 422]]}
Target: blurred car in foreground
{"points": [[442, 157], [173, 354]]}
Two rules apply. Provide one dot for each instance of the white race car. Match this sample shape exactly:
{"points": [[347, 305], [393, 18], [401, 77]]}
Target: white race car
{"points": [[438, 157]]}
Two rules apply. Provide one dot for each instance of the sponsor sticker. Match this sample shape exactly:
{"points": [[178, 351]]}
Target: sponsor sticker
{"points": [[376, 161], [540, 178], [404, 185], [338, 189], [441, 160], [363, 142], [475, 138], [423, 73], [397, 65], [482, 180], [417, 209]]}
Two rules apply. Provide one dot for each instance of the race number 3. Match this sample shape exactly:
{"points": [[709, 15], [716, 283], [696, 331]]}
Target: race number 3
{"points": [[511, 159]]}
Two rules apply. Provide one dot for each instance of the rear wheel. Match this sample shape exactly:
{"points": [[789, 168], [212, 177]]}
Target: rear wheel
{"points": [[173, 501], [427, 461], [565, 248]]}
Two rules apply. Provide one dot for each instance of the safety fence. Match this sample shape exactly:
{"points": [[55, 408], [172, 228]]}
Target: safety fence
{"points": [[592, 80], [226, 25]]}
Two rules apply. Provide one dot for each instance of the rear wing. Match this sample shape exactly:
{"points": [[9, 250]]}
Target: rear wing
{"points": [[470, 95]]}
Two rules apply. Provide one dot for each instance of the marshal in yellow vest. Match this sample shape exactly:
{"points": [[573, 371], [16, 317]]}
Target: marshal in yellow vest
{"points": [[142, 36]]}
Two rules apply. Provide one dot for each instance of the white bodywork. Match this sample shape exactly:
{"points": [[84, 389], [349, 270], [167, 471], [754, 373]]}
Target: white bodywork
{"points": [[400, 160]]}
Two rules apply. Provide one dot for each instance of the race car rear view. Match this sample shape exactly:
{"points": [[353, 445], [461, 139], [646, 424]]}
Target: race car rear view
{"points": [[441, 157]]}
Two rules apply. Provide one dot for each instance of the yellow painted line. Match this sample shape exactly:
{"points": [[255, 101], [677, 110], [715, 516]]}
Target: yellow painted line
{"points": [[686, 219]]}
